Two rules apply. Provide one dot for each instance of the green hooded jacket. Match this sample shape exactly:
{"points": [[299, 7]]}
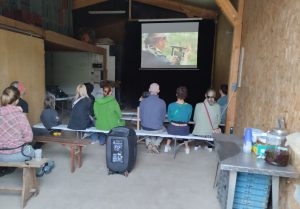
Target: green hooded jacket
{"points": [[107, 113]]}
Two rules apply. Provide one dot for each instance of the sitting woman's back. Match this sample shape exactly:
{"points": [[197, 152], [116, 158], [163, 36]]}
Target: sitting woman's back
{"points": [[80, 116], [107, 111], [49, 116], [15, 129]]}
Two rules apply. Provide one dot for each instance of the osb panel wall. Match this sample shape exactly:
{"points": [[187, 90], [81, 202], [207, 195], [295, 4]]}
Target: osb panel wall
{"points": [[271, 74], [222, 52], [22, 59]]}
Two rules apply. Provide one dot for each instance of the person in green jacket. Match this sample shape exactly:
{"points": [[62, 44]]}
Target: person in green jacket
{"points": [[107, 112]]}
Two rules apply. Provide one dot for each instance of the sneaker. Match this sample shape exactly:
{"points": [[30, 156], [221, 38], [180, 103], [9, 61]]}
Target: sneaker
{"points": [[187, 151], [155, 149], [208, 148], [167, 148], [196, 148], [149, 148], [40, 171], [94, 142], [49, 165]]}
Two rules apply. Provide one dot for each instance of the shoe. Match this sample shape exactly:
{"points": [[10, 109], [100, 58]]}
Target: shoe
{"points": [[155, 149], [167, 148], [149, 148], [208, 148], [49, 165], [94, 142], [187, 151], [196, 148], [40, 171]]}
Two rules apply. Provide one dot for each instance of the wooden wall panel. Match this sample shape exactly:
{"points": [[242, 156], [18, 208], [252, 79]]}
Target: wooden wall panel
{"points": [[271, 73], [222, 52], [22, 59]]}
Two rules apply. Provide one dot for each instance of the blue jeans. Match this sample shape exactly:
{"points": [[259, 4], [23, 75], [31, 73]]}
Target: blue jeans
{"points": [[98, 136], [16, 157]]}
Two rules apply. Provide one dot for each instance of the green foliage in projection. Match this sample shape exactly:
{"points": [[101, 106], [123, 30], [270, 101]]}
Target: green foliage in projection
{"points": [[189, 42]]}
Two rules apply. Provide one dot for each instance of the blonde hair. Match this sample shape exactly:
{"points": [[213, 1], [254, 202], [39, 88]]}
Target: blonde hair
{"points": [[81, 91], [9, 95]]}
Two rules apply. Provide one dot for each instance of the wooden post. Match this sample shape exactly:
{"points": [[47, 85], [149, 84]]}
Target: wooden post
{"points": [[236, 19], [129, 9]]}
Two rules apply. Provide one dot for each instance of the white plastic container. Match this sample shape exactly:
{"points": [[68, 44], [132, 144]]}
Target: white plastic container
{"points": [[247, 147]]}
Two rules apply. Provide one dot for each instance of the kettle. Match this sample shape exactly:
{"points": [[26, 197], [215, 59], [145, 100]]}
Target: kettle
{"points": [[277, 136]]}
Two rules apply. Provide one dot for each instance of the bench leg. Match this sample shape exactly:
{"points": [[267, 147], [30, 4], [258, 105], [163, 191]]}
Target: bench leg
{"points": [[79, 153], [30, 185], [176, 147], [72, 158]]}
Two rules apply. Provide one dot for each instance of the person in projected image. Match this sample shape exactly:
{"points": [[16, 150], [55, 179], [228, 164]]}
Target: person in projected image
{"points": [[152, 56]]}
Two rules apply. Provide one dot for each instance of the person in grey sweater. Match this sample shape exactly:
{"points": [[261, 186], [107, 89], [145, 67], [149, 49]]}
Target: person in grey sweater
{"points": [[152, 115]]}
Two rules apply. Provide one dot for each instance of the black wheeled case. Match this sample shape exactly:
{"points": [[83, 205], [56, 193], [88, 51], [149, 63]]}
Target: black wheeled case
{"points": [[121, 150]]}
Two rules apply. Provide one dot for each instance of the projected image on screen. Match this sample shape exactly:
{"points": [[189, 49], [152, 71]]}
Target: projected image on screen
{"points": [[169, 45]]}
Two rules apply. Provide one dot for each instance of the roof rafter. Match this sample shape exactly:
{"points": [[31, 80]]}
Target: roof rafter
{"points": [[229, 11], [189, 10], [77, 4]]}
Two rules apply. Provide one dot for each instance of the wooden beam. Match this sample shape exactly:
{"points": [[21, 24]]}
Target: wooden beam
{"points": [[189, 10], [234, 67], [66, 41], [228, 10], [26, 28], [77, 4]]}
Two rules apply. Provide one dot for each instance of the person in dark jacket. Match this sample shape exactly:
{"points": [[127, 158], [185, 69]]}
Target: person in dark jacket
{"points": [[22, 103], [80, 115], [49, 116], [89, 90]]}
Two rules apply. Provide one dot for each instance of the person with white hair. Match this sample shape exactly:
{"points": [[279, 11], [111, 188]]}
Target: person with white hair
{"points": [[152, 115], [153, 56]]}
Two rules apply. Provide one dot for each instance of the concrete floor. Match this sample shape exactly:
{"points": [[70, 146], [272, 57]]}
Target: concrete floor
{"points": [[157, 181]]}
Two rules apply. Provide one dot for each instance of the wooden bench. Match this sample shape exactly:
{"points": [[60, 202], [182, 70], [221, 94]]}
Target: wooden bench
{"points": [[73, 145], [30, 184], [64, 127], [209, 139]]}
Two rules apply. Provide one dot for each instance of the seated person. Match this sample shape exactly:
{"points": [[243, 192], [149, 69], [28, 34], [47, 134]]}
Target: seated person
{"points": [[89, 90], [22, 103], [15, 129], [107, 112], [179, 114], [49, 116], [207, 117], [152, 115], [80, 116], [222, 101]]}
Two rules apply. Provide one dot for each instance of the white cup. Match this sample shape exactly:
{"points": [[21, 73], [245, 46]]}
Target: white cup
{"points": [[38, 154]]}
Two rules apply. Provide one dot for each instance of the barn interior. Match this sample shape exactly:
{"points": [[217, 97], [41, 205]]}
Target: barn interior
{"points": [[250, 45]]}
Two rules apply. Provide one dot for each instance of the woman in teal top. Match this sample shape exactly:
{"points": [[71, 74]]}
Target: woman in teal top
{"points": [[179, 114]]}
